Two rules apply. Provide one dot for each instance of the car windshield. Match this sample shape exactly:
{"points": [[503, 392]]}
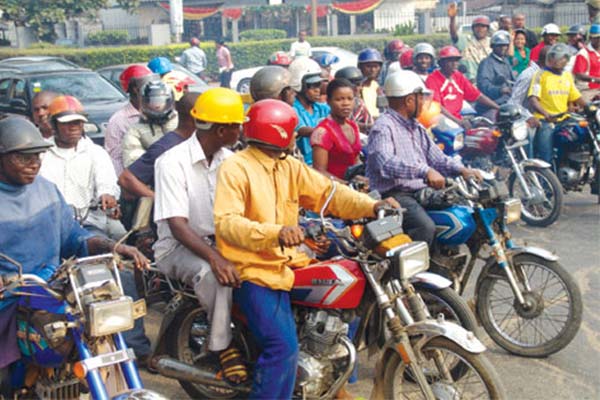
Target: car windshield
{"points": [[38, 66], [87, 87]]}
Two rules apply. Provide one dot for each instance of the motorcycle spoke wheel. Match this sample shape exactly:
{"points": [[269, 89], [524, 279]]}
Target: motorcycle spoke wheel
{"points": [[549, 321], [544, 208], [476, 380]]}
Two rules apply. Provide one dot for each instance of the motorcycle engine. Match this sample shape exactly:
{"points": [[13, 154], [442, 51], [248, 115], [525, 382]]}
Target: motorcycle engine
{"points": [[568, 177], [322, 358]]}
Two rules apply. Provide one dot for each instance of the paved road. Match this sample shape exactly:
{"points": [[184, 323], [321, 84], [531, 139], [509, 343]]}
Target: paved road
{"points": [[571, 374]]}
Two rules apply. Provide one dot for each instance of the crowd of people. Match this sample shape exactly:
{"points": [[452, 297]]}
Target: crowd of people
{"points": [[226, 223]]}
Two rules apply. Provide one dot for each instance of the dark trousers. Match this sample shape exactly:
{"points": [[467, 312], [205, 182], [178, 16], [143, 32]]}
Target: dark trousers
{"points": [[416, 223], [225, 78]]}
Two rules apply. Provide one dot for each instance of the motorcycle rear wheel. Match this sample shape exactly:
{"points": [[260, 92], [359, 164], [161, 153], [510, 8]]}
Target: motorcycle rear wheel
{"points": [[188, 342], [548, 211], [555, 297], [478, 379]]}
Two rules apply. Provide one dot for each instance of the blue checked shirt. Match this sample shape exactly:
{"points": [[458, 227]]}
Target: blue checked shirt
{"points": [[401, 153]]}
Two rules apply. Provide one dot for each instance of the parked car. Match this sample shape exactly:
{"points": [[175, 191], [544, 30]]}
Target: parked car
{"points": [[100, 99], [240, 79], [113, 72], [38, 63]]}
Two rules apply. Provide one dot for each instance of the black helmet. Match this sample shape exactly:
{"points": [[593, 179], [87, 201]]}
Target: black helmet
{"points": [[577, 29], [507, 114], [352, 74], [19, 135], [157, 101]]}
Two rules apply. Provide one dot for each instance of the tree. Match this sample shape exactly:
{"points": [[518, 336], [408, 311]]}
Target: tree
{"points": [[41, 15]]}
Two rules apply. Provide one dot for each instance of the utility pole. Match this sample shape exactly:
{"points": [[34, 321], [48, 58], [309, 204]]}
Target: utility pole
{"points": [[176, 19], [315, 28]]}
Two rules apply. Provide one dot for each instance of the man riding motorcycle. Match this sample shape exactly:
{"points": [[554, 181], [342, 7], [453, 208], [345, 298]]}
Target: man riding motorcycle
{"points": [[403, 158], [259, 191], [37, 227]]}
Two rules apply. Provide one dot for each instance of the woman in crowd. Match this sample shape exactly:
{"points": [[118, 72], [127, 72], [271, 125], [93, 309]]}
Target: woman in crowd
{"points": [[518, 53]]}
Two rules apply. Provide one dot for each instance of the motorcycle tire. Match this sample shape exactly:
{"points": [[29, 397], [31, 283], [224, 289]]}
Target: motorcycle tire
{"points": [[548, 177], [450, 304], [475, 365], [500, 326], [188, 337]]}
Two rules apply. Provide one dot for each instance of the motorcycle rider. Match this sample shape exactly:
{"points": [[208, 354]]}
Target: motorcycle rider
{"points": [[403, 158], [550, 93], [360, 113], [476, 46], [391, 53], [495, 74], [587, 65], [39, 105], [306, 81], [369, 63], [37, 227], [423, 59], [132, 79], [158, 117], [550, 35], [185, 181], [272, 82], [450, 87], [259, 191]]}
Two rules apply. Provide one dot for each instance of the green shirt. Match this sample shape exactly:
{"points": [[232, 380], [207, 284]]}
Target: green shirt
{"points": [[519, 63]]}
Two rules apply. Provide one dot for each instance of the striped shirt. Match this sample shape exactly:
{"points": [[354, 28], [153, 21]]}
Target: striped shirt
{"points": [[117, 127], [401, 153], [521, 87]]}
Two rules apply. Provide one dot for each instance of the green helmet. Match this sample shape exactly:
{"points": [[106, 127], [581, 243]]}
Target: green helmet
{"points": [[19, 135]]}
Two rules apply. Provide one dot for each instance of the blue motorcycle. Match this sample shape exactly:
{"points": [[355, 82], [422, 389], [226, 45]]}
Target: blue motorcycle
{"points": [[525, 300], [69, 324]]}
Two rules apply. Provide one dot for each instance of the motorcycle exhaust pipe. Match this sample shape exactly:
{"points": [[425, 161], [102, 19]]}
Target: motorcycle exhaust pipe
{"points": [[172, 368]]}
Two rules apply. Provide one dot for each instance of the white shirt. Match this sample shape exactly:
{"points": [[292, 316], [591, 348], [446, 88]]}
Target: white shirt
{"points": [[82, 174], [194, 59], [300, 49], [185, 187]]}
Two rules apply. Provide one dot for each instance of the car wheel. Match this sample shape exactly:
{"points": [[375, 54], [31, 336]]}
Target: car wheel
{"points": [[243, 86]]}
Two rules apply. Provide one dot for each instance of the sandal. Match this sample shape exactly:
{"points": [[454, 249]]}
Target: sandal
{"points": [[232, 366]]}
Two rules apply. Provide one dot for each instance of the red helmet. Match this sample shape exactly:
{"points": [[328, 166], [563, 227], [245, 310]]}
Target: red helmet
{"points": [[280, 58], [394, 48], [449, 52], [406, 59], [481, 20], [132, 72], [271, 122]]}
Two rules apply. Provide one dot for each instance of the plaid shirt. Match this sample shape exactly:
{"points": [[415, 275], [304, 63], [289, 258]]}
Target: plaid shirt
{"points": [[117, 127], [401, 153]]}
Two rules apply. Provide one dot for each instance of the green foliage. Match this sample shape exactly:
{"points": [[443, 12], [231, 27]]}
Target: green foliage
{"points": [[41, 15], [42, 46], [107, 37], [245, 54], [263, 34], [407, 28]]}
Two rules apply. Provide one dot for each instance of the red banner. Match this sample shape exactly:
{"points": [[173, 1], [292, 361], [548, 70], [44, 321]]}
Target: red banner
{"points": [[321, 11], [357, 7], [232, 13], [196, 13]]}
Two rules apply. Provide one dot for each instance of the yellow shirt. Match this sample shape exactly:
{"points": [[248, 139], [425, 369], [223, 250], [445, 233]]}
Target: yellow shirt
{"points": [[369, 96], [554, 91], [256, 196]]}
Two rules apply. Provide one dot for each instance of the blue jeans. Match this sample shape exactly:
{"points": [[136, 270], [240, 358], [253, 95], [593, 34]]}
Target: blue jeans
{"points": [[544, 141], [135, 338], [270, 319]]}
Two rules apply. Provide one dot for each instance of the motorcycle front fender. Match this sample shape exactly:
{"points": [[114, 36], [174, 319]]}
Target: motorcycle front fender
{"points": [[535, 162], [537, 251], [431, 280]]}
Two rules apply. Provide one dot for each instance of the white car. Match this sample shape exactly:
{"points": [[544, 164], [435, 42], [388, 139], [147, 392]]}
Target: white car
{"points": [[240, 79]]}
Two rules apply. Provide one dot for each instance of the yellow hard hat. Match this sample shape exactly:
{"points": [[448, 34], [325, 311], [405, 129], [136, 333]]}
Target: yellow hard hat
{"points": [[219, 105]]}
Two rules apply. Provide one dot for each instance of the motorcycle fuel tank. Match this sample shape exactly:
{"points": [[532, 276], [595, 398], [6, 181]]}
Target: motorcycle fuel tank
{"points": [[336, 283], [454, 225], [480, 140]]}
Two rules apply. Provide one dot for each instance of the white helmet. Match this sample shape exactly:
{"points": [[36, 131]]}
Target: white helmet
{"points": [[423, 48], [551, 29], [304, 70], [403, 83]]}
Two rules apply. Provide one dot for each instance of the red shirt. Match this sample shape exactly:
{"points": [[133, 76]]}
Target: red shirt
{"points": [[587, 62], [535, 52], [342, 154], [450, 93]]}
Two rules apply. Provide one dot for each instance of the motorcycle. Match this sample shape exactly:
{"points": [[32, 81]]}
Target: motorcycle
{"points": [[69, 324], [421, 357], [525, 300], [576, 158], [503, 150]]}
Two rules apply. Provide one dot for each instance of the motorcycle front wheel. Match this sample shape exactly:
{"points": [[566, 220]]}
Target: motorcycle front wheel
{"points": [[544, 207], [476, 379], [546, 323]]}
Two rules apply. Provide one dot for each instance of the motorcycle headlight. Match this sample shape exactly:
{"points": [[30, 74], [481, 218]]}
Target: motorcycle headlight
{"points": [[89, 127], [459, 142], [112, 316], [410, 259], [519, 131], [512, 210]]}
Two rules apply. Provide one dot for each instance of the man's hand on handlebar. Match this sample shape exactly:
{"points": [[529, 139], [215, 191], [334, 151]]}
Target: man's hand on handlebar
{"points": [[469, 173], [140, 261], [388, 202], [290, 236], [435, 179]]}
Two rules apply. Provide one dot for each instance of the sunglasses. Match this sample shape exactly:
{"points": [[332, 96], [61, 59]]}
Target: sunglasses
{"points": [[26, 159]]}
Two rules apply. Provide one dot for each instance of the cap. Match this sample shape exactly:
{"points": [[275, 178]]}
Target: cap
{"points": [[71, 118]]}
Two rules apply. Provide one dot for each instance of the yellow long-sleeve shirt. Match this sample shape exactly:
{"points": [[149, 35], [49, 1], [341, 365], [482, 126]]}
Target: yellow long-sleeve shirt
{"points": [[256, 196]]}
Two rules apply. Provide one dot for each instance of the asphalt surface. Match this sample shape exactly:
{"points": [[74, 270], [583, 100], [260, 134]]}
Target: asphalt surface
{"points": [[574, 372]]}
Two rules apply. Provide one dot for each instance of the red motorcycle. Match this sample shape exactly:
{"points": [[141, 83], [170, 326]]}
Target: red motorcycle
{"points": [[422, 357]]}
